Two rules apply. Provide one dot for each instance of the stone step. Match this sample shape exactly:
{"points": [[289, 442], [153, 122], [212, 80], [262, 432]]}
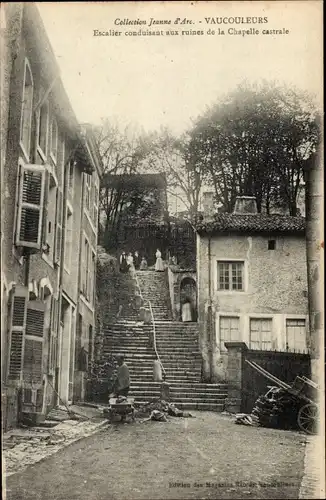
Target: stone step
{"points": [[182, 394], [201, 385], [218, 407], [179, 399]]}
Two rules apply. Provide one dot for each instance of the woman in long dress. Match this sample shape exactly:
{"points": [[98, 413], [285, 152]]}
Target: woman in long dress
{"points": [[130, 261], [159, 266], [186, 312]]}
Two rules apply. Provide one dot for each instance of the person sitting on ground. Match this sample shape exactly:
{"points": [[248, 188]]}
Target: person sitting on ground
{"points": [[122, 382], [143, 264]]}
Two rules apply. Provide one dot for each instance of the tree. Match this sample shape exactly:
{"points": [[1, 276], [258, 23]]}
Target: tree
{"points": [[123, 153], [184, 177], [255, 142]]}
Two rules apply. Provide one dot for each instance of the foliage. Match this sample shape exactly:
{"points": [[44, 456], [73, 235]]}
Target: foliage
{"points": [[123, 153], [184, 178], [255, 142]]}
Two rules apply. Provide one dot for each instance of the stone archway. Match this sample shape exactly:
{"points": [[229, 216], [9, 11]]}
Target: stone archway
{"points": [[188, 293]]}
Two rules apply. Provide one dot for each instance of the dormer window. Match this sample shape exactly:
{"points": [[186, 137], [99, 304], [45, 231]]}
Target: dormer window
{"points": [[27, 110]]}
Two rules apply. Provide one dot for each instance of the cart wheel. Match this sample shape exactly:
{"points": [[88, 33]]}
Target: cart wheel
{"points": [[308, 418]]}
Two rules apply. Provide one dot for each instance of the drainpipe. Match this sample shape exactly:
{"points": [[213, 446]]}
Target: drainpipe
{"points": [[209, 310], [62, 259]]}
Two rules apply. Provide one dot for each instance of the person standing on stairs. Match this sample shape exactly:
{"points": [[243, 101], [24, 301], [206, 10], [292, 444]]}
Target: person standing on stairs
{"points": [[159, 265], [122, 382], [130, 262], [123, 263], [186, 311], [136, 260]]}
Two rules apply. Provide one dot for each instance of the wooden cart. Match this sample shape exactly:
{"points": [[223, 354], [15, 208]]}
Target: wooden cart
{"points": [[303, 389], [121, 409]]}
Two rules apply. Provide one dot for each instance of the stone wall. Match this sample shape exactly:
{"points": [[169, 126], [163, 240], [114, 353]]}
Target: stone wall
{"points": [[275, 287], [245, 384]]}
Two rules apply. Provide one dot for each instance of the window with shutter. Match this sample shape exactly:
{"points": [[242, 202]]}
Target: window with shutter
{"points": [[30, 206], [33, 400], [17, 326], [33, 351], [95, 202], [68, 238], [58, 229], [261, 336], [50, 205]]}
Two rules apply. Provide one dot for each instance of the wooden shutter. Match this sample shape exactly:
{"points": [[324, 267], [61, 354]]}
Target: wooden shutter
{"points": [[34, 335], [58, 230], [44, 235], [30, 206], [17, 326]]}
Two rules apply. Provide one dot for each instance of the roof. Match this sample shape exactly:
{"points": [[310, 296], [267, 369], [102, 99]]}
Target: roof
{"points": [[41, 55], [253, 223]]}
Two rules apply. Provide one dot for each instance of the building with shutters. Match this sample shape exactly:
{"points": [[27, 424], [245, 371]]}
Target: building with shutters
{"points": [[51, 172], [252, 284]]}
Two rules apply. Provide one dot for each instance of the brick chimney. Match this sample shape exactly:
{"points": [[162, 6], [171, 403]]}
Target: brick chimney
{"points": [[208, 203], [245, 205]]}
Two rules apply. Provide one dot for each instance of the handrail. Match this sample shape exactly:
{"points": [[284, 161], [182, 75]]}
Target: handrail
{"points": [[153, 321]]}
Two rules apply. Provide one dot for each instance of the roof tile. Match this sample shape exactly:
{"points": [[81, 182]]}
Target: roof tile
{"points": [[253, 223]]}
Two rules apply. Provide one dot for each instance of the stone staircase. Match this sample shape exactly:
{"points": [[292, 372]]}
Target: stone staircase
{"points": [[177, 346], [154, 287]]}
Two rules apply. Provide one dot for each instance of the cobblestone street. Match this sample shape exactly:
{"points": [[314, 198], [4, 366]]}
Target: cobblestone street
{"points": [[206, 457]]}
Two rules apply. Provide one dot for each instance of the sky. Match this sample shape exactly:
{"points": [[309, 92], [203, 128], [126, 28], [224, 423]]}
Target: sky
{"points": [[169, 80]]}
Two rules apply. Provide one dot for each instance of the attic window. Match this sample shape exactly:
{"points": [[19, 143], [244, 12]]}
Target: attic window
{"points": [[271, 244]]}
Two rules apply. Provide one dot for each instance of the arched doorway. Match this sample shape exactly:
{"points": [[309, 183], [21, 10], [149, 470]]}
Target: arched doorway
{"points": [[188, 299]]}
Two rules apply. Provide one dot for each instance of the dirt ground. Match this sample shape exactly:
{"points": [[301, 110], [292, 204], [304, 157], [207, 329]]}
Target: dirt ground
{"points": [[206, 457]]}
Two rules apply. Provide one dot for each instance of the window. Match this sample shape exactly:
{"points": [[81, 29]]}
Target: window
{"points": [[27, 110], [261, 333], [70, 183], [87, 181], [229, 330], [230, 275], [30, 201], [54, 140], [271, 244], [295, 334], [50, 229], [68, 239], [58, 230], [85, 263], [43, 128], [95, 202], [88, 272]]}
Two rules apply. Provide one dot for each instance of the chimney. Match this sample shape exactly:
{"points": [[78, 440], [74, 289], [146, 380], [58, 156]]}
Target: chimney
{"points": [[208, 203], [245, 205]]}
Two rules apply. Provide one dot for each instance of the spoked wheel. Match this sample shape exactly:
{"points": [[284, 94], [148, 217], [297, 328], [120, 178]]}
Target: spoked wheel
{"points": [[308, 418]]}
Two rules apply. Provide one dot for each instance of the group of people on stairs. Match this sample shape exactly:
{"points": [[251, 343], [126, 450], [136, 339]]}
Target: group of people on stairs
{"points": [[134, 261]]}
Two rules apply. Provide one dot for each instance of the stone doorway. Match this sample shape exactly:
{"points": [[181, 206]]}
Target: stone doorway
{"points": [[188, 295]]}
